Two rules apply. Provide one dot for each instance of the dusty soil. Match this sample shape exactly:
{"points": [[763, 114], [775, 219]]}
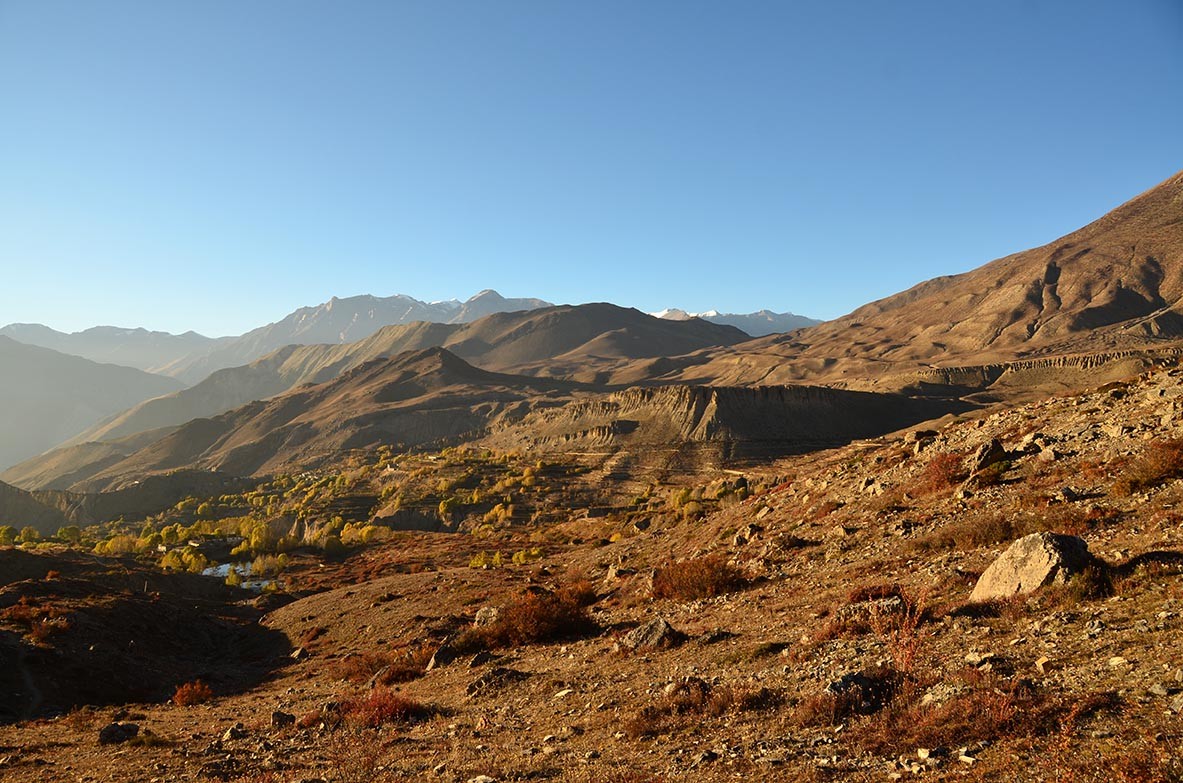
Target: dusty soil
{"points": [[1073, 683]]}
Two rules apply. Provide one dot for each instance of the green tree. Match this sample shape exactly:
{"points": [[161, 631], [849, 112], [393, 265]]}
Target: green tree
{"points": [[71, 534], [7, 535], [29, 535]]}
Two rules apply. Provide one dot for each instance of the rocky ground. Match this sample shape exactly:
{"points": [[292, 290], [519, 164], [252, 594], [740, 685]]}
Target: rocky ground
{"points": [[821, 630]]}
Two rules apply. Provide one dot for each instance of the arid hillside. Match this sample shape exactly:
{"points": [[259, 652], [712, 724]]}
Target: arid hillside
{"points": [[1112, 286], [433, 399], [809, 619], [578, 338]]}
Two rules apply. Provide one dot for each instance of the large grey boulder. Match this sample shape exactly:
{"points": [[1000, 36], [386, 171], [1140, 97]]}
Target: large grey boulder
{"points": [[657, 634], [1033, 562]]}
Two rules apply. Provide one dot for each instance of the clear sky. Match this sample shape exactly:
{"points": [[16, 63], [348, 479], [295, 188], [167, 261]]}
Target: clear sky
{"points": [[214, 164]]}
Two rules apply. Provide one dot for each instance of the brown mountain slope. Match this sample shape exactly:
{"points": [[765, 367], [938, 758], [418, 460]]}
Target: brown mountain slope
{"points": [[433, 398], [1113, 285], [429, 396], [523, 342]]}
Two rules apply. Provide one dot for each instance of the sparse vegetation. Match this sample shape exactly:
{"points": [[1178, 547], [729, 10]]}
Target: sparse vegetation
{"points": [[1160, 461], [943, 471], [381, 706], [190, 693], [535, 617], [703, 577]]}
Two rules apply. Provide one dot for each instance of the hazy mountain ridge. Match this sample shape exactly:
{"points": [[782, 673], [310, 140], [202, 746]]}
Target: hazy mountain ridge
{"points": [[136, 347], [340, 321], [47, 397], [757, 324]]}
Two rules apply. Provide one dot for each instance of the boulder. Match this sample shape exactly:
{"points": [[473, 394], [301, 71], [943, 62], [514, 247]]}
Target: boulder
{"points": [[988, 454], [443, 655], [1033, 562], [115, 733], [281, 719], [486, 615], [656, 634]]}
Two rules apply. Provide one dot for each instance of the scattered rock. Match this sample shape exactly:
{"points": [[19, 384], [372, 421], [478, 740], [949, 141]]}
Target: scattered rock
{"points": [[237, 731], [481, 658], [617, 571], [687, 688], [443, 655], [495, 679], [116, 733], [280, 719], [657, 634], [988, 454], [486, 615], [1032, 562], [866, 612]]}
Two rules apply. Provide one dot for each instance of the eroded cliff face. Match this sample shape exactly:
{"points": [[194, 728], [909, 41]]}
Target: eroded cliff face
{"points": [[732, 423]]}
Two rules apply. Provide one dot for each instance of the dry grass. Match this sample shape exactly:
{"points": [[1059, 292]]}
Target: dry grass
{"points": [[994, 709], [537, 617], [696, 698], [988, 528], [867, 692], [196, 692], [379, 707], [384, 668], [703, 577], [1162, 460]]}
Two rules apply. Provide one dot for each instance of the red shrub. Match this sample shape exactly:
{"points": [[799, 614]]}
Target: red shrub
{"points": [[191, 693], [703, 577], [381, 706], [943, 471]]}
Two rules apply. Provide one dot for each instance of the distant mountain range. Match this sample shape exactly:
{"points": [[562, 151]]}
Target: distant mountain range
{"points": [[191, 357], [757, 324], [570, 342], [138, 348], [1092, 306]]}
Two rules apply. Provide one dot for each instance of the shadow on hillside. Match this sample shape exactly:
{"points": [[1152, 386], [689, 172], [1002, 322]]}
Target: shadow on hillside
{"points": [[116, 632], [1158, 557]]}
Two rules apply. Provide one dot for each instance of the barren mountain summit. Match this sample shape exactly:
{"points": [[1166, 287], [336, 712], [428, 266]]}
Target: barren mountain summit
{"points": [[1115, 284], [1117, 281]]}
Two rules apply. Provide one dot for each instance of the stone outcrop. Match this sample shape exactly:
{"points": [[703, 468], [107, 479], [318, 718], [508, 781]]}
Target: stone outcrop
{"points": [[1032, 562]]}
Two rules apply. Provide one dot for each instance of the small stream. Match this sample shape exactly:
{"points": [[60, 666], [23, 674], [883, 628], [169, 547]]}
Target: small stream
{"points": [[244, 571]]}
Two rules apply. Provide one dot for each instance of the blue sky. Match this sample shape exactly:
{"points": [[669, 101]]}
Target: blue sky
{"points": [[213, 165]]}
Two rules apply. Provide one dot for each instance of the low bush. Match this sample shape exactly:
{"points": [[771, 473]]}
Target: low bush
{"points": [[381, 706], [995, 708], [696, 698], [703, 577], [190, 693], [942, 471], [864, 693], [537, 617], [384, 668]]}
